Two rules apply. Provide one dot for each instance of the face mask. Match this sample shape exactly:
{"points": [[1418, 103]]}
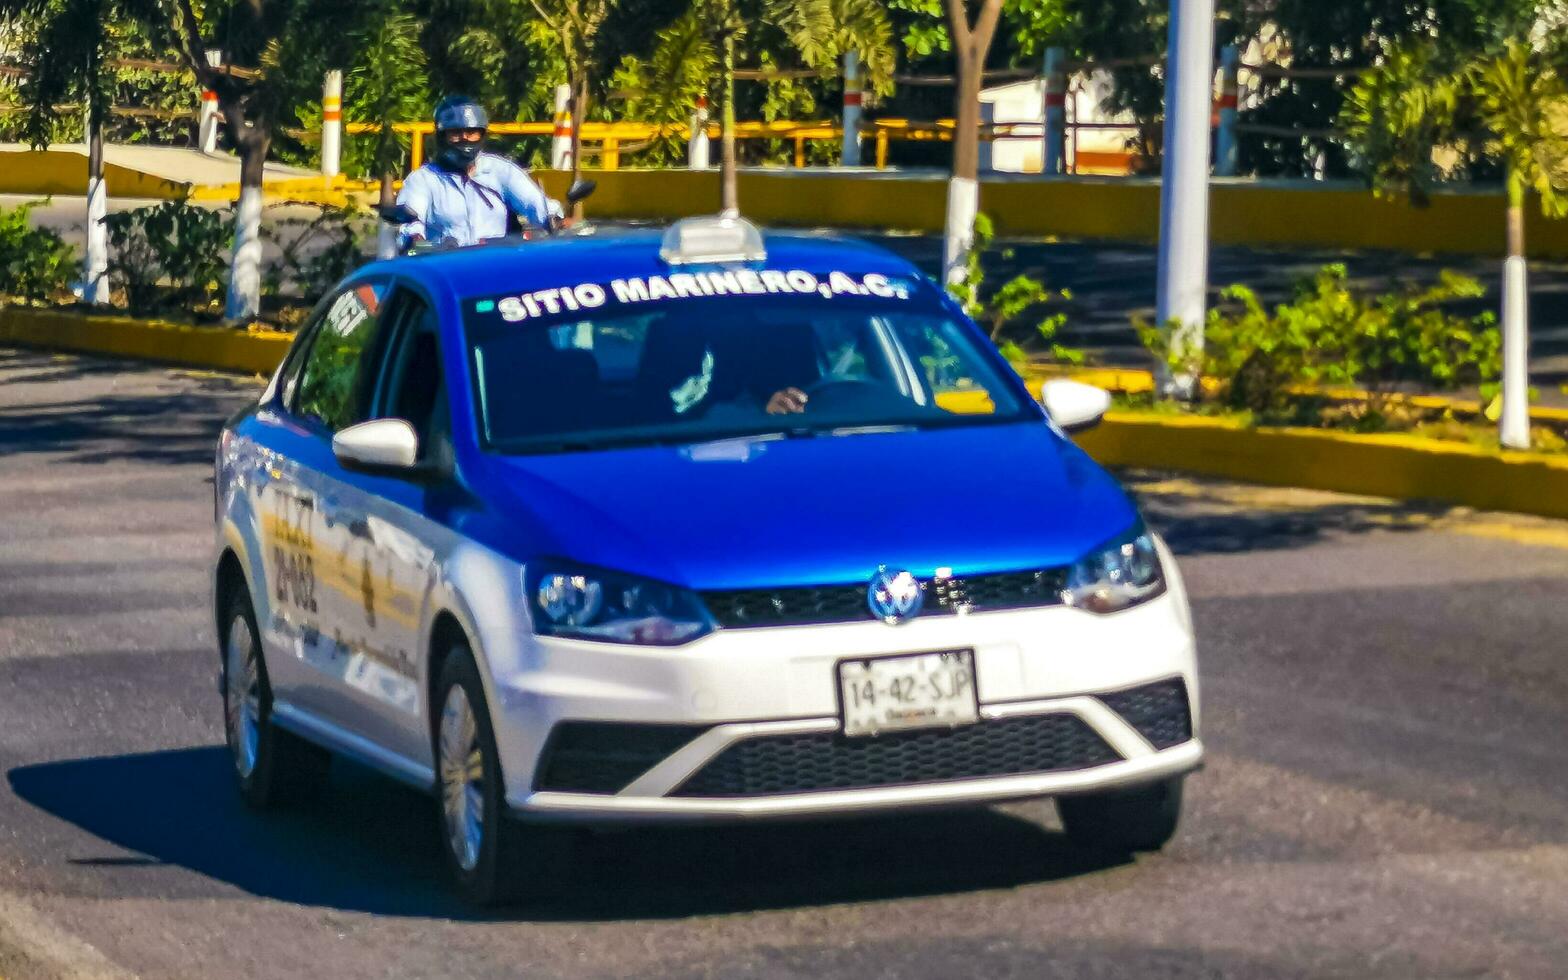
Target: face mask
{"points": [[459, 157]]}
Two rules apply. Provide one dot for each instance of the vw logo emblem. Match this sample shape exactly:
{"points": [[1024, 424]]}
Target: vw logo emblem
{"points": [[894, 597]]}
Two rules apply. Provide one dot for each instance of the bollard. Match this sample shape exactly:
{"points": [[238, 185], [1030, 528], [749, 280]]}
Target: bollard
{"points": [[697, 143], [561, 143], [1225, 150], [207, 121], [850, 157], [1053, 155], [332, 124]]}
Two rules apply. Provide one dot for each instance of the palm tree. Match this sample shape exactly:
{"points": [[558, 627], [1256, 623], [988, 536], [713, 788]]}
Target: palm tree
{"points": [[1512, 104]]}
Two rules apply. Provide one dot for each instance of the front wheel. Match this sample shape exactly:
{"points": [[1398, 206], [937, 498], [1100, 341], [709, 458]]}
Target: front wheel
{"points": [[1131, 820], [491, 858]]}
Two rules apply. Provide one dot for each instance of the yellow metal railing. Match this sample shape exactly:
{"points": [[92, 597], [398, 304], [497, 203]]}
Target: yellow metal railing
{"points": [[606, 140]]}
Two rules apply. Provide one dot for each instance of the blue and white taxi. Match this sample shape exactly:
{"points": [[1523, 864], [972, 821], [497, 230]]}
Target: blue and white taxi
{"points": [[694, 524]]}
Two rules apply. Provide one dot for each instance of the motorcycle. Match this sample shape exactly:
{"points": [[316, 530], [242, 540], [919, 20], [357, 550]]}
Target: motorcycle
{"points": [[399, 214]]}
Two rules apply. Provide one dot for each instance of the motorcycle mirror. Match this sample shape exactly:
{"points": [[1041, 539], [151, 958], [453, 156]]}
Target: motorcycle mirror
{"points": [[580, 189], [397, 214]]}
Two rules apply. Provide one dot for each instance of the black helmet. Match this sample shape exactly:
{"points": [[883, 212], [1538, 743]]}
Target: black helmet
{"points": [[459, 112]]}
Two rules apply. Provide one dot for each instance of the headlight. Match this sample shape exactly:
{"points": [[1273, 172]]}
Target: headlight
{"points": [[1117, 575], [594, 604]]}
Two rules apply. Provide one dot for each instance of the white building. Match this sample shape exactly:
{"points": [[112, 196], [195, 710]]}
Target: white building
{"points": [[1094, 150]]}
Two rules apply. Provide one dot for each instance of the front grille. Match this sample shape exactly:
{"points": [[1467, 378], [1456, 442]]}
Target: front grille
{"points": [[1160, 712], [603, 757], [819, 762], [740, 608]]}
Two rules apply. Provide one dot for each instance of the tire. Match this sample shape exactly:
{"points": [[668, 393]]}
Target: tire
{"points": [[272, 767], [491, 858], [1124, 821]]}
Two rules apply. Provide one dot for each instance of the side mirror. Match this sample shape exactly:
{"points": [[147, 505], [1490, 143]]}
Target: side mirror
{"points": [[580, 189], [386, 447], [397, 214], [1074, 405]]}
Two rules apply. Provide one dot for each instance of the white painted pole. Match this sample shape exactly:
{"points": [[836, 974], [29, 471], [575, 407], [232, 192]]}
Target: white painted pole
{"points": [[561, 143], [853, 86], [697, 145], [95, 263], [332, 124], [1225, 148], [963, 204], [207, 121], [1184, 188], [1053, 156], [244, 302], [1514, 425]]}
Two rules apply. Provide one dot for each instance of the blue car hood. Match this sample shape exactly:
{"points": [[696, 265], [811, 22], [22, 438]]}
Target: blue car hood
{"points": [[817, 511]]}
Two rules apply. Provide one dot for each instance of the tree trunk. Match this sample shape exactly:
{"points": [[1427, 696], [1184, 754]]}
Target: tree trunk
{"points": [[579, 118], [963, 190], [253, 140], [95, 263], [1514, 423], [729, 186]]}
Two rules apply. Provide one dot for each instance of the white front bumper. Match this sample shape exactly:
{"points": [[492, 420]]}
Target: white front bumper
{"points": [[758, 682]]}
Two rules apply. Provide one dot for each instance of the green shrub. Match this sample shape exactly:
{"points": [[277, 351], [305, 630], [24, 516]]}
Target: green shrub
{"points": [[170, 255], [35, 264], [1258, 360], [315, 253], [1000, 310]]}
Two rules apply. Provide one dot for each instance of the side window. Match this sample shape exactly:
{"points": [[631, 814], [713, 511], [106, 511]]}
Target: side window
{"points": [[335, 383], [412, 382]]}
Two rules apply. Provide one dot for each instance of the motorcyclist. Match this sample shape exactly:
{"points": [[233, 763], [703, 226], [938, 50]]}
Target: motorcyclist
{"points": [[464, 195]]}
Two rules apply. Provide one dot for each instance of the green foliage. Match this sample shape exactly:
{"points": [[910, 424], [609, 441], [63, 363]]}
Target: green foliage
{"points": [[314, 254], [1394, 119], [169, 255], [1511, 104], [1001, 310], [664, 87], [1258, 360], [35, 264], [1523, 101]]}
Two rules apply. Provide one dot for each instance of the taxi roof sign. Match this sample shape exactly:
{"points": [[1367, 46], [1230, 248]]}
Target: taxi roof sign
{"points": [[723, 237]]}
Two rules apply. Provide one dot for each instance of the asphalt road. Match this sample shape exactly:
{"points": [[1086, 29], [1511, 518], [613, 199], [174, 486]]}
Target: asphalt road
{"points": [[1386, 795]]}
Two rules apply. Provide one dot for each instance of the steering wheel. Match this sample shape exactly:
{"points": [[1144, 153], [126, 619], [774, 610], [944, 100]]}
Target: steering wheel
{"points": [[829, 391]]}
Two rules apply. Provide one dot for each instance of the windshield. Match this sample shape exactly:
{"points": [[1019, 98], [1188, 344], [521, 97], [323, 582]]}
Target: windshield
{"points": [[699, 368]]}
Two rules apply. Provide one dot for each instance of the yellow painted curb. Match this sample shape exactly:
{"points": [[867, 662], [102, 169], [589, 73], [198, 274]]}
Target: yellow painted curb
{"points": [[1129, 381], [217, 348], [1399, 466]]}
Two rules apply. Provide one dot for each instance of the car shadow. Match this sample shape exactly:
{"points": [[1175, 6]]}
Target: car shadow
{"points": [[369, 845]]}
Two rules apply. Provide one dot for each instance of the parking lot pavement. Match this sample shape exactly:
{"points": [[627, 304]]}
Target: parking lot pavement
{"points": [[1384, 691]]}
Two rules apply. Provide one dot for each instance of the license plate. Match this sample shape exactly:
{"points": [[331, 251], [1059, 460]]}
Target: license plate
{"points": [[894, 694]]}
